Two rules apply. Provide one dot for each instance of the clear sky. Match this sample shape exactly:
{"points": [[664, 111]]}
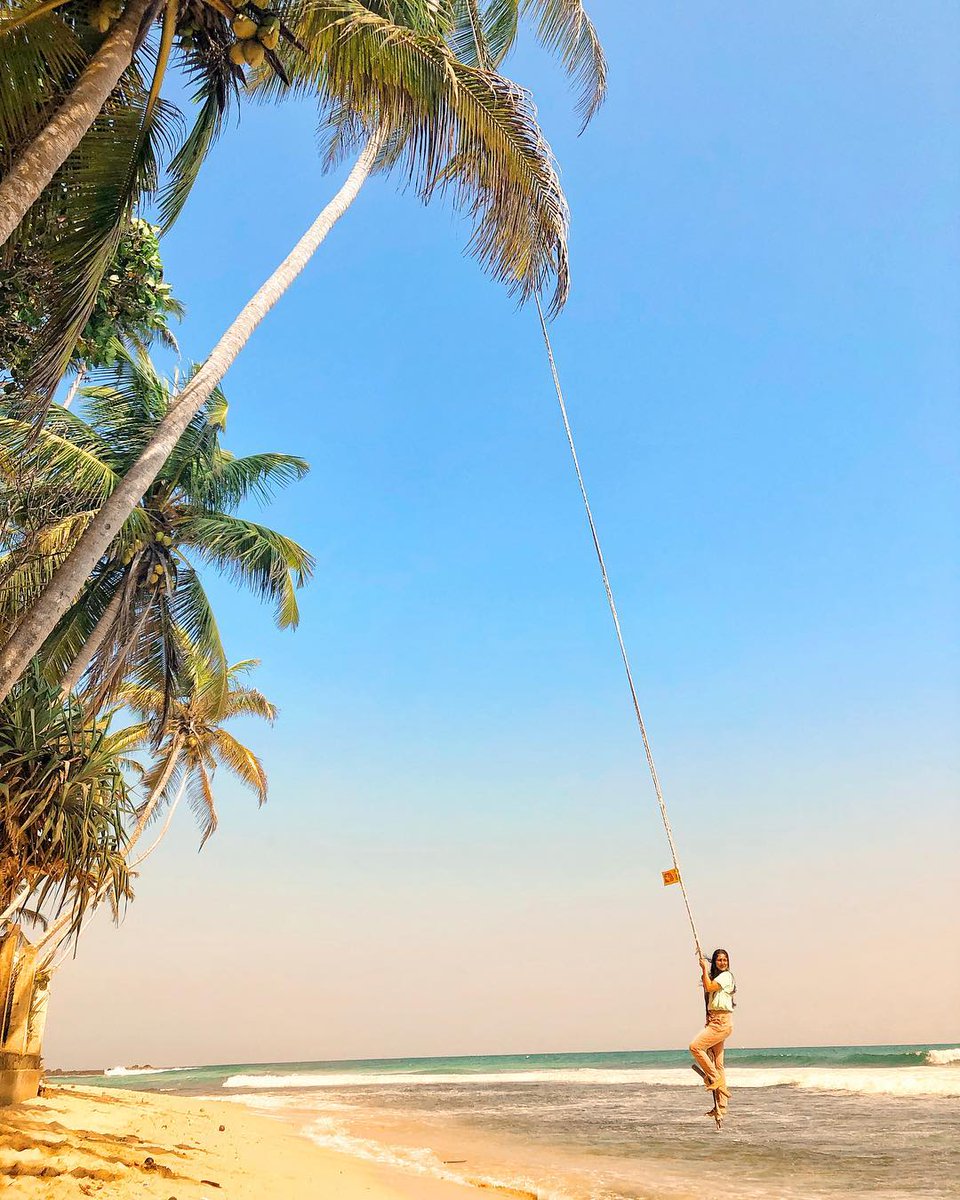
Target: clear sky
{"points": [[461, 852]]}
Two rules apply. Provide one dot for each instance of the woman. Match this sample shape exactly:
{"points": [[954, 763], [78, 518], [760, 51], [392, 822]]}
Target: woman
{"points": [[719, 987]]}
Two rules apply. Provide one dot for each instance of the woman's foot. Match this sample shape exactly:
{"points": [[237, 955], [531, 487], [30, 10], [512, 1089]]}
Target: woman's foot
{"points": [[709, 1081]]}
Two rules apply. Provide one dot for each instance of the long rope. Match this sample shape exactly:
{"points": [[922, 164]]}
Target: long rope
{"points": [[616, 624]]}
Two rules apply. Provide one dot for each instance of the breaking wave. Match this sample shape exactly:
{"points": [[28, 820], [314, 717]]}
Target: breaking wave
{"points": [[944, 1058], [924, 1080]]}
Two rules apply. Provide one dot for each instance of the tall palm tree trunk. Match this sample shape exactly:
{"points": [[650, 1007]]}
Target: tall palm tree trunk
{"points": [[75, 671], [37, 163], [70, 577], [163, 832]]}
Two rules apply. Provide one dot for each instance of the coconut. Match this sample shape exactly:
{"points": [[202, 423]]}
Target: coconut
{"points": [[236, 54], [268, 38], [253, 52], [244, 27]]}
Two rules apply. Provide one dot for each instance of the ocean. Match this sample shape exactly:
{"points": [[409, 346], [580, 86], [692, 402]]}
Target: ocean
{"points": [[832, 1121]]}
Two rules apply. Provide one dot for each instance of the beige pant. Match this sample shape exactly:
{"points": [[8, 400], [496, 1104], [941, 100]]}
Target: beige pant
{"points": [[707, 1051]]}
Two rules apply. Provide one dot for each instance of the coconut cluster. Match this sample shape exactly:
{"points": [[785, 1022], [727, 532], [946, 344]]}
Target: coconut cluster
{"points": [[188, 35], [161, 539], [102, 15], [254, 38]]}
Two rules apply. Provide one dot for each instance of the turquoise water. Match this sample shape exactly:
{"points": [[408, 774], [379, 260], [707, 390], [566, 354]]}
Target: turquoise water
{"points": [[193, 1079], [827, 1121]]}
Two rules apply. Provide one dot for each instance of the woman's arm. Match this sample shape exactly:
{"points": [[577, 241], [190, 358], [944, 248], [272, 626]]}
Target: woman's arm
{"points": [[709, 985]]}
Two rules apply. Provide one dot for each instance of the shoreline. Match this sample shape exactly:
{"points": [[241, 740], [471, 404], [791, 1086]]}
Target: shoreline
{"points": [[123, 1144]]}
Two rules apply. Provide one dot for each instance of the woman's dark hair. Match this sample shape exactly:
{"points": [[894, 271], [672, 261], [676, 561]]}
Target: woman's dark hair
{"points": [[714, 969]]}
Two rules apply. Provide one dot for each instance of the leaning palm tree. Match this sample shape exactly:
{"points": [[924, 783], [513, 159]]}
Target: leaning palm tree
{"points": [[450, 127], [106, 132], [41, 39], [146, 591]]}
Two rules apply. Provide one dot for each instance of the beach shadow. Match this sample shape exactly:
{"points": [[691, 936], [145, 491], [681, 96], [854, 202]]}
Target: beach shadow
{"points": [[32, 1145]]}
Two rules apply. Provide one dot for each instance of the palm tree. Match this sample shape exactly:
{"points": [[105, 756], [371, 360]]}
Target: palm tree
{"points": [[450, 126], [103, 147], [189, 742], [37, 37], [194, 741], [108, 146], [146, 590], [42, 36]]}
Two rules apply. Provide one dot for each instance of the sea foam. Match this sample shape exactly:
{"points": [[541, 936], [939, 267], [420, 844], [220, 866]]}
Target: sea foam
{"points": [[944, 1058], [901, 1081]]}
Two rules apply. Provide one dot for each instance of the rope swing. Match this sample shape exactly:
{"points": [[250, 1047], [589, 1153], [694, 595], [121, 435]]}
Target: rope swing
{"points": [[674, 876]]}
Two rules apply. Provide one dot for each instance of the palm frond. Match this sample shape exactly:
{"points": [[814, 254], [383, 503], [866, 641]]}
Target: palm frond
{"points": [[192, 613], [31, 59], [231, 480], [215, 82], [483, 34], [54, 455], [272, 565], [460, 130], [200, 799], [116, 164], [241, 761], [248, 702], [565, 29]]}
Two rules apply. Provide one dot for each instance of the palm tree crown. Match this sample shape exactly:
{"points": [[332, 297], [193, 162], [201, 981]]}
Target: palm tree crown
{"points": [[147, 586], [193, 742]]}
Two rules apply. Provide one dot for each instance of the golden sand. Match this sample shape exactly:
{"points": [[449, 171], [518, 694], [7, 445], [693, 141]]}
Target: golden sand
{"points": [[123, 1145]]}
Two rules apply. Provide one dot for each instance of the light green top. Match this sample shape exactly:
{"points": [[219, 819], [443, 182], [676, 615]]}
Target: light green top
{"points": [[722, 1001]]}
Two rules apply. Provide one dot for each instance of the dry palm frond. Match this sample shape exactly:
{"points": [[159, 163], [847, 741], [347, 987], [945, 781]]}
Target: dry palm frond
{"points": [[455, 129]]}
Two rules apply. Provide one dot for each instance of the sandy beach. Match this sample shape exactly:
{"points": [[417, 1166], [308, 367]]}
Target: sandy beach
{"points": [[90, 1142]]}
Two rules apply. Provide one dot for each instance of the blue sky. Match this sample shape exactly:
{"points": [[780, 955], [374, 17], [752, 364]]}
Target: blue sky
{"points": [[761, 365]]}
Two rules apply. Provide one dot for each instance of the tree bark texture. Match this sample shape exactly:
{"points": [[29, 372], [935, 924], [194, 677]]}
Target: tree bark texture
{"points": [[37, 163]]}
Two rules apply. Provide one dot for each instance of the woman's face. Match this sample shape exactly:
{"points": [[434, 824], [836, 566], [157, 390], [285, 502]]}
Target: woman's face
{"points": [[723, 963]]}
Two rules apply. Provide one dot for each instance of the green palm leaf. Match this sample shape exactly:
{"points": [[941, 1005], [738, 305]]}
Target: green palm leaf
{"points": [[260, 558], [230, 480], [115, 165]]}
